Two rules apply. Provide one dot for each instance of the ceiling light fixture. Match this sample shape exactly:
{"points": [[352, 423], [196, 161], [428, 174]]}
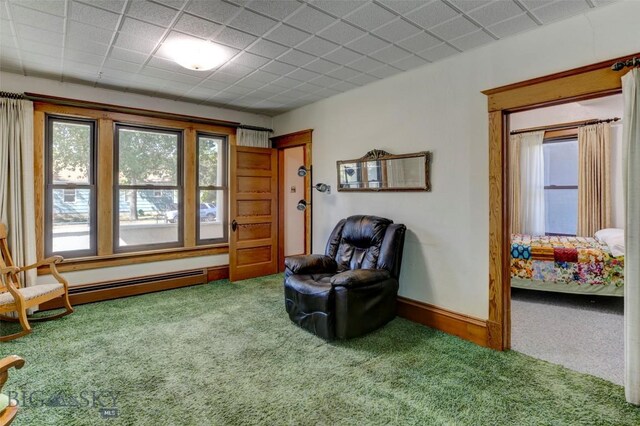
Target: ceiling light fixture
{"points": [[196, 55]]}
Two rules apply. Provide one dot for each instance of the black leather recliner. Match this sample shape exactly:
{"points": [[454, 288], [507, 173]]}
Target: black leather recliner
{"points": [[352, 289]]}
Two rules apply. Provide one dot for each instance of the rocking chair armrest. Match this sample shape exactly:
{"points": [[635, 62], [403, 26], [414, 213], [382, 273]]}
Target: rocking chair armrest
{"points": [[11, 361], [9, 270], [48, 261]]}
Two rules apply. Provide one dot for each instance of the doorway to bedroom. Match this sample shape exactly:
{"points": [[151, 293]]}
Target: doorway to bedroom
{"points": [[567, 237]]}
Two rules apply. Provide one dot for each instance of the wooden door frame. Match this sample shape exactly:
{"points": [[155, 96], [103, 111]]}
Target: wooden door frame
{"points": [[291, 140], [582, 83]]}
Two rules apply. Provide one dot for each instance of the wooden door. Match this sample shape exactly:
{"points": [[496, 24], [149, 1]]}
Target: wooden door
{"points": [[253, 243]]}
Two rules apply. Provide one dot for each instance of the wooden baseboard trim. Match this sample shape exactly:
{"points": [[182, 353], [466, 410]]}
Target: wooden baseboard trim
{"points": [[103, 291], [463, 326]]}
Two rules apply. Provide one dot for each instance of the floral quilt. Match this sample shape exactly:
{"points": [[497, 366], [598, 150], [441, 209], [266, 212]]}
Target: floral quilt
{"points": [[581, 260]]}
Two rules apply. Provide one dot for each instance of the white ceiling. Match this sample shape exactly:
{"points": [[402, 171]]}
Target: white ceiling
{"points": [[284, 53]]}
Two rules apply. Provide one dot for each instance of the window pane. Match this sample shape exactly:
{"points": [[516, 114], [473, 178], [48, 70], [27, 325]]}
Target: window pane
{"points": [[561, 163], [71, 152], [147, 218], [561, 211], [71, 224], [212, 210], [210, 174], [147, 157]]}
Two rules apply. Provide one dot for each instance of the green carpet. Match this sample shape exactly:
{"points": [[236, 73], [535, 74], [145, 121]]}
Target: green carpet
{"points": [[222, 353]]}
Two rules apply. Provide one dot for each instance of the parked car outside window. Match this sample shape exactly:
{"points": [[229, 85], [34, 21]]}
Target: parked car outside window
{"points": [[207, 213]]}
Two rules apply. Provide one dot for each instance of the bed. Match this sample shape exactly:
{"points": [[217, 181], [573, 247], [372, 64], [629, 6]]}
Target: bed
{"points": [[566, 264]]}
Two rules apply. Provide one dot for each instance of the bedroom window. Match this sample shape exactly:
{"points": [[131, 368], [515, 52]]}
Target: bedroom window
{"points": [[212, 189], [147, 162], [561, 186], [70, 213]]}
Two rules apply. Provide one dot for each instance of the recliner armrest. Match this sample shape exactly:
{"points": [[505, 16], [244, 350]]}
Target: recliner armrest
{"points": [[311, 264], [359, 277]]}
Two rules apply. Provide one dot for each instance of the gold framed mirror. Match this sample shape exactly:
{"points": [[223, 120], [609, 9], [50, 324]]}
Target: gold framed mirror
{"points": [[378, 171]]}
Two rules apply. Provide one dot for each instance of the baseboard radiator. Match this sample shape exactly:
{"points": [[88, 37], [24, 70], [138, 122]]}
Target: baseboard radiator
{"points": [[133, 286]]}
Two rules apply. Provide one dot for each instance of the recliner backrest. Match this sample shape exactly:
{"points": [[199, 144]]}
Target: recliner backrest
{"points": [[367, 242]]}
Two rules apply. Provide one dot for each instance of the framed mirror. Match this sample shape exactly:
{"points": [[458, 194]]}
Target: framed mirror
{"points": [[378, 170]]}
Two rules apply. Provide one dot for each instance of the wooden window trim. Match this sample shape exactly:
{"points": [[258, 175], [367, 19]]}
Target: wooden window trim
{"points": [[582, 83], [104, 187]]}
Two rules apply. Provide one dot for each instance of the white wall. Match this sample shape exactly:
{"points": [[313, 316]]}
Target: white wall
{"points": [[439, 108], [293, 218], [17, 83], [601, 108]]}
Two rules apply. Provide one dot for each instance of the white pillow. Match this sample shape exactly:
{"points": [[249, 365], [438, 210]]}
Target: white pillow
{"points": [[614, 238]]}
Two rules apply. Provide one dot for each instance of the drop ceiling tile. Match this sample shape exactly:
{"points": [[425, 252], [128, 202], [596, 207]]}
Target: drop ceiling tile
{"points": [[472, 40], [263, 76], [341, 33], [370, 17], [322, 66], [93, 16], [496, 12], [297, 58], [455, 28], [5, 27], [267, 49], [286, 35], [234, 38], [156, 73], [534, 4], [127, 55], [216, 10], [252, 23], [151, 12], [343, 73], [248, 83], [402, 6], [83, 57], [467, 5], [53, 7], [286, 82], [79, 69], [512, 26], [407, 63], [397, 30], [198, 27], [7, 42], [141, 29], [122, 65], [308, 88], [188, 79], [343, 86], [276, 9], [250, 60], [89, 32], [176, 4], [303, 75], [268, 90], [309, 19], [363, 79], [560, 9], [365, 64], [432, 14], [342, 56], [279, 68], [367, 44], [419, 42], [85, 45], [317, 46], [236, 69], [439, 52], [213, 85], [605, 2], [25, 32], [132, 42], [390, 54], [27, 16], [337, 8], [48, 52], [325, 81], [385, 71]]}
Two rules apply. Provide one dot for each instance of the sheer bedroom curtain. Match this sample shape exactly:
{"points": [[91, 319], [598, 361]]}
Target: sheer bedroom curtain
{"points": [[594, 179], [631, 150], [527, 183], [16, 181], [254, 138]]}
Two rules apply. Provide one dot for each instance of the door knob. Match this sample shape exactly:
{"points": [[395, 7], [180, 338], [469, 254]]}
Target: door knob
{"points": [[234, 225]]}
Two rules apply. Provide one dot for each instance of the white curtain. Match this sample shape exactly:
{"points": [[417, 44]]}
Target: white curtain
{"points": [[16, 181], [532, 208], [254, 138], [631, 155]]}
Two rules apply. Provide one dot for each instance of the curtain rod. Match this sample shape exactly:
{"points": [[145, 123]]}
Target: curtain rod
{"points": [[259, 129], [36, 97], [633, 62], [11, 95], [563, 126]]}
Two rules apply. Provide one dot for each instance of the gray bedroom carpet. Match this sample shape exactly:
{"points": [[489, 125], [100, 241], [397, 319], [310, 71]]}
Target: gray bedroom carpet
{"points": [[581, 332]]}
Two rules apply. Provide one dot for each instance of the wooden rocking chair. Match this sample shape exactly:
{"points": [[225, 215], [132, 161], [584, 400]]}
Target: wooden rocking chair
{"points": [[8, 413], [15, 298]]}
